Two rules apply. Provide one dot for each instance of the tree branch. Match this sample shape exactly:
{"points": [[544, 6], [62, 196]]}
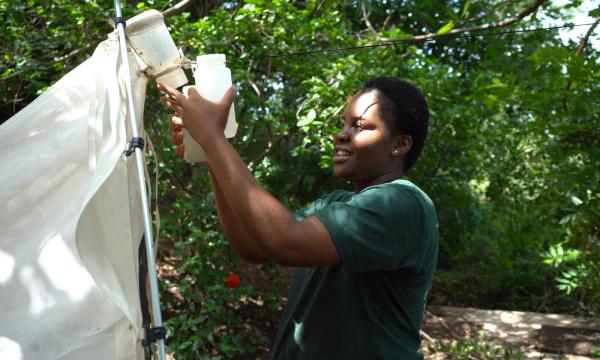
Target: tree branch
{"points": [[11, 75], [425, 336], [256, 89], [74, 52], [270, 148], [582, 45], [366, 18], [316, 9], [493, 25], [177, 8]]}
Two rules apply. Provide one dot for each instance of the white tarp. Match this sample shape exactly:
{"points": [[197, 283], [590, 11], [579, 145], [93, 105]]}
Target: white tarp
{"points": [[70, 219]]}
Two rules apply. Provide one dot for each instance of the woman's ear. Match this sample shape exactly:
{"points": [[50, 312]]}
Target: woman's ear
{"points": [[402, 145]]}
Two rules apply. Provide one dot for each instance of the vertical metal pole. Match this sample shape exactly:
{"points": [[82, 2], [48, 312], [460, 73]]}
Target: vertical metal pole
{"points": [[152, 276]]}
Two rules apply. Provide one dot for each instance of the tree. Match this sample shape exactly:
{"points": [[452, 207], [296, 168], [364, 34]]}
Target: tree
{"points": [[508, 164]]}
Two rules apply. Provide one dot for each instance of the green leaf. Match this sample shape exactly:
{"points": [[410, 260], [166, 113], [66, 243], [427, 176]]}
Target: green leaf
{"points": [[465, 11], [444, 29], [594, 13], [565, 219], [576, 201]]}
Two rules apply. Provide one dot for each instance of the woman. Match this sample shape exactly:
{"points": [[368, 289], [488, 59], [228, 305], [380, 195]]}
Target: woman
{"points": [[364, 259]]}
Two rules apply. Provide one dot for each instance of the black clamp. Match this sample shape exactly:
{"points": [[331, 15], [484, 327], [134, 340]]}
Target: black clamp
{"points": [[136, 142], [120, 20], [153, 334]]}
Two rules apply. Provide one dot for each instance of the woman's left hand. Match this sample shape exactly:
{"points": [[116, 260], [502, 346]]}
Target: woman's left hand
{"points": [[203, 119]]}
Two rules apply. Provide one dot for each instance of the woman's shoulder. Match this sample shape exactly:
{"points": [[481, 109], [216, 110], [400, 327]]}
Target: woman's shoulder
{"points": [[400, 188], [336, 195], [398, 185], [322, 202]]}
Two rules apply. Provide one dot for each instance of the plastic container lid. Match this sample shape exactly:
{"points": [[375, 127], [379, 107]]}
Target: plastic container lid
{"points": [[144, 21], [210, 59]]}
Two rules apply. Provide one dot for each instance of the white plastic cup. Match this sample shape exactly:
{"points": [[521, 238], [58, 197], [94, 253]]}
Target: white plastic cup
{"points": [[150, 38], [212, 79]]}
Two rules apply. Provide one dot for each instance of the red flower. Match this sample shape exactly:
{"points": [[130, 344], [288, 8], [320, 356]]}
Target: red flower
{"points": [[233, 281]]}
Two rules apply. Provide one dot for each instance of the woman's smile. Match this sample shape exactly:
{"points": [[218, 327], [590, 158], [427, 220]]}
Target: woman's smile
{"points": [[341, 154]]}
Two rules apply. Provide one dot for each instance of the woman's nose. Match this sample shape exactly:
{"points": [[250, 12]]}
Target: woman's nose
{"points": [[341, 136]]}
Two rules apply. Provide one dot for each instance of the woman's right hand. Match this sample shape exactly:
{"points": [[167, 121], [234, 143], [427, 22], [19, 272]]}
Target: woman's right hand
{"points": [[176, 125]]}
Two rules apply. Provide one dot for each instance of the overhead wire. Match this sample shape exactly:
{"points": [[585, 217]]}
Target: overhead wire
{"points": [[404, 41]]}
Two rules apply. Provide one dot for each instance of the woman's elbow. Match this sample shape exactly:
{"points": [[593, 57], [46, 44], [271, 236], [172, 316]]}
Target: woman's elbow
{"points": [[280, 254], [252, 255]]}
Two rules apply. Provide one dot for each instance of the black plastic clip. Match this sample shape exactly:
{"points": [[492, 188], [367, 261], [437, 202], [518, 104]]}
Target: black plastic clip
{"points": [[153, 334], [120, 20], [136, 142]]}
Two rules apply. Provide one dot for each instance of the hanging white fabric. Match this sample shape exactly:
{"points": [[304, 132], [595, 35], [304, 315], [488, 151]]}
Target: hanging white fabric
{"points": [[70, 219]]}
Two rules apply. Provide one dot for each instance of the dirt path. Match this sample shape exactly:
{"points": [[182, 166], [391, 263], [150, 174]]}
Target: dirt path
{"points": [[540, 336]]}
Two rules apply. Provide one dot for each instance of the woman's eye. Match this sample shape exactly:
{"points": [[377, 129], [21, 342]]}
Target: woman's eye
{"points": [[356, 126]]}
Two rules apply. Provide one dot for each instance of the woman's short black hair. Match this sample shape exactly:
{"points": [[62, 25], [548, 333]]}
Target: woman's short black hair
{"points": [[404, 108]]}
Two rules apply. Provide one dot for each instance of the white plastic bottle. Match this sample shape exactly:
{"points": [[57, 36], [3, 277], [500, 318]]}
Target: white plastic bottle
{"points": [[212, 78]]}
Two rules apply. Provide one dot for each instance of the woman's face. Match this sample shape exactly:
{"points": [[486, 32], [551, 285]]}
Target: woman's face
{"points": [[366, 152]]}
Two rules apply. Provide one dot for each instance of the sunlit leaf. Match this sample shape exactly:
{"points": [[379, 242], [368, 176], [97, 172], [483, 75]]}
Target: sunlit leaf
{"points": [[444, 29]]}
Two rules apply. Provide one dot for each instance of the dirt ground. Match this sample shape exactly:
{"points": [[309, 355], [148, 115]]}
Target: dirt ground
{"points": [[539, 336]]}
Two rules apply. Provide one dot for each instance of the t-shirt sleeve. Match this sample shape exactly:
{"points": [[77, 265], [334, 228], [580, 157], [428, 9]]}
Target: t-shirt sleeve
{"points": [[317, 205], [379, 229]]}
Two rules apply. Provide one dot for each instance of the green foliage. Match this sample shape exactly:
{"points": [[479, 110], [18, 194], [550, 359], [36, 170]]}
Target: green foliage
{"points": [[511, 168], [477, 348]]}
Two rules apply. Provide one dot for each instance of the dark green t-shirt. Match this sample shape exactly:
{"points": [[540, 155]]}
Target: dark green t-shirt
{"points": [[371, 306]]}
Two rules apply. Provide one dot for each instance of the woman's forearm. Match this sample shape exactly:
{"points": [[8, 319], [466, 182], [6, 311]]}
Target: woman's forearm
{"points": [[238, 237], [258, 212]]}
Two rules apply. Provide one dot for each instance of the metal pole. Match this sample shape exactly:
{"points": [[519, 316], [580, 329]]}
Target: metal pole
{"points": [[152, 276]]}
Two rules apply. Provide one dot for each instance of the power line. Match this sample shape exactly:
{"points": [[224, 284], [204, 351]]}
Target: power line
{"points": [[404, 41]]}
